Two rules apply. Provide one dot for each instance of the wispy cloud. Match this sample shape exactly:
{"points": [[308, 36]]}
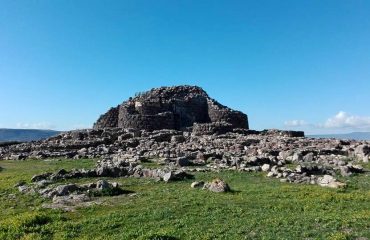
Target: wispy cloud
{"points": [[39, 125], [295, 123]]}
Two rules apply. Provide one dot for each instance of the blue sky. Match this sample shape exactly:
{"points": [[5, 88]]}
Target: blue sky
{"points": [[301, 65]]}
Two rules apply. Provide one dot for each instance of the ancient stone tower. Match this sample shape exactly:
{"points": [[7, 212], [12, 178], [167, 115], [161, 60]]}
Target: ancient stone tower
{"points": [[176, 107]]}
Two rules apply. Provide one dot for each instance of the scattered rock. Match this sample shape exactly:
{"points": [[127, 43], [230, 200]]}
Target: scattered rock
{"points": [[20, 183], [71, 199], [362, 151], [265, 167], [23, 189], [217, 185], [330, 181], [103, 184], [168, 176], [297, 157], [40, 177], [67, 189], [350, 169], [186, 127], [71, 202]]}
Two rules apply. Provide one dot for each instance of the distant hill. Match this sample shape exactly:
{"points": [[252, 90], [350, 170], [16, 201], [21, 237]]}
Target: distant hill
{"points": [[354, 136], [25, 135]]}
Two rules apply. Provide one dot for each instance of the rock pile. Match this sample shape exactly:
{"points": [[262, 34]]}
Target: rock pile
{"points": [[114, 167], [202, 136], [69, 196], [170, 108], [293, 159]]}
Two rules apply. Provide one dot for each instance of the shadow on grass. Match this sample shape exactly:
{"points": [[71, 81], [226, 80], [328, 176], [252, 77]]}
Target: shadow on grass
{"points": [[233, 191], [161, 237], [110, 192]]}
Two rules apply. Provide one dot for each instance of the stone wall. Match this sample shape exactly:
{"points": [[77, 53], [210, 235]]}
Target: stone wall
{"points": [[170, 108], [283, 133], [200, 129], [189, 111], [107, 120], [219, 113], [148, 122]]}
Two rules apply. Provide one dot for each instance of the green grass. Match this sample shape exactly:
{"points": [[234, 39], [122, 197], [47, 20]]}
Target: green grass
{"points": [[151, 164], [258, 208]]}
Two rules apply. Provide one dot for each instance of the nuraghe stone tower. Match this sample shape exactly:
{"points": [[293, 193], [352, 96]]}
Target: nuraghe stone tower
{"points": [[176, 107]]}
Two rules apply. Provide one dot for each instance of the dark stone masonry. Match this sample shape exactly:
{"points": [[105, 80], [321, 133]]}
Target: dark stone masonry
{"points": [[183, 130], [176, 108]]}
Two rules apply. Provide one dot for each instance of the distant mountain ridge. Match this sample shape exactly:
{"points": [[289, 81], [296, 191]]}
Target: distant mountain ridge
{"points": [[353, 135], [25, 135]]}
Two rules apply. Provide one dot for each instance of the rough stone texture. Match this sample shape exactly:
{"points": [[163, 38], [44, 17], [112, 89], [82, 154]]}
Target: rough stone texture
{"points": [[170, 108], [329, 181], [362, 151], [205, 137], [177, 152], [217, 185], [211, 128], [276, 132], [108, 120]]}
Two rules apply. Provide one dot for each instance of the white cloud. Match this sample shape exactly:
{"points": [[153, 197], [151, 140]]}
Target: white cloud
{"points": [[342, 122], [345, 120], [295, 123], [40, 125]]}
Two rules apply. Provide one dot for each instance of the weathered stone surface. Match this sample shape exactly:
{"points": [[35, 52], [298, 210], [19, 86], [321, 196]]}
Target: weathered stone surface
{"points": [[330, 181], [362, 151], [72, 199], [203, 134], [168, 176], [71, 202], [40, 177], [218, 128], [103, 184], [170, 108], [23, 189], [350, 169], [242, 151], [109, 119], [265, 167], [174, 175], [217, 185], [67, 189]]}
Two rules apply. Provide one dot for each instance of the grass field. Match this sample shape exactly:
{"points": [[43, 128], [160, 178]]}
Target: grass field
{"points": [[258, 208]]}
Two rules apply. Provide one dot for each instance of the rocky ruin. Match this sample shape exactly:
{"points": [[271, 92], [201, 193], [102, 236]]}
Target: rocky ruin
{"points": [[170, 108], [183, 131]]}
